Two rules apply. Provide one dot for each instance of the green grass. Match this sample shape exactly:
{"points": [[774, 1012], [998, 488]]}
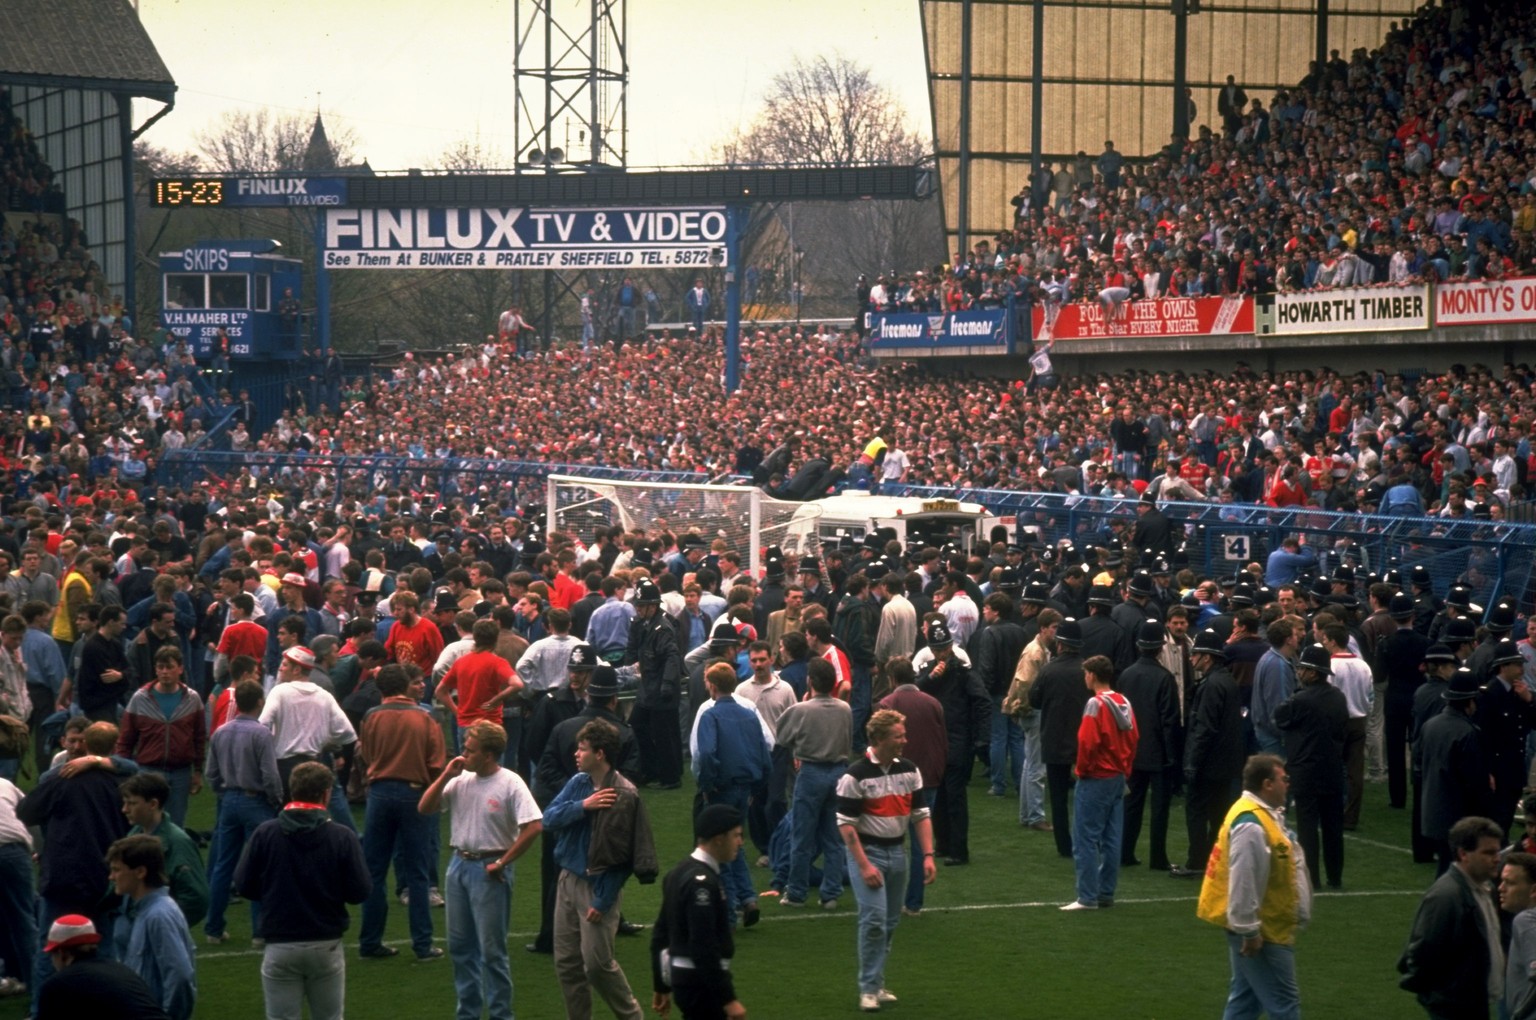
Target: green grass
{"points": [[989, 942]]}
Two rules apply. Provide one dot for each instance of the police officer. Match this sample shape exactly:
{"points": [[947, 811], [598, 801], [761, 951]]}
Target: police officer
{"points": [[691, 945]]}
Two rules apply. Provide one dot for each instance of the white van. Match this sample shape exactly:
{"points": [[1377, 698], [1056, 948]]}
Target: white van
{"points": [[935, 522]]}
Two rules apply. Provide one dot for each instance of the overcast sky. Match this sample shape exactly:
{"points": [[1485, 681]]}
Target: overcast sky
{"points": [[413, 77]]}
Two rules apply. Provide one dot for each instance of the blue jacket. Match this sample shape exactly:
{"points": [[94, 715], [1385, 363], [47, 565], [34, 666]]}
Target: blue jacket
{"points": [[732, 751], [573, 835], [157, 945], [1283, 567]]}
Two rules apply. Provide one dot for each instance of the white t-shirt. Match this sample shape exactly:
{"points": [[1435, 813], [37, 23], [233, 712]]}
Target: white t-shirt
{"points": [[894, 465], [488, 811]]}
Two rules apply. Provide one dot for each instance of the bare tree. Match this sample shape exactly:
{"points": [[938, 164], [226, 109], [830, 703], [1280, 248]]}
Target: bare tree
{"points": [[830, 111], [259, 141], [827, 111]]}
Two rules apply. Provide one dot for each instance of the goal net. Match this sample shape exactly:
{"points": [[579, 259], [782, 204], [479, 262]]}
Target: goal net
{"points": [[746, 519]]}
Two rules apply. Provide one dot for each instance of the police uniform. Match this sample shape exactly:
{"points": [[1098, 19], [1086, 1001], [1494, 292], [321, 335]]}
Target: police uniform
{"points": [[691, 943]]}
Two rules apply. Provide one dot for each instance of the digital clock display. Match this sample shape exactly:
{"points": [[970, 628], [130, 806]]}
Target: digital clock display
{"points": [[176, 191]]}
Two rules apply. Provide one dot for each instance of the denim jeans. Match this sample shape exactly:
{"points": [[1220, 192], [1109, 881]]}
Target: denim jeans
{"points": [[292, 972], [479, 913], [18, 916], [1262, 985], [1098, 814], [393, 822], [734, 876], [879, 910], [180, 780], [860, 695], [239, 814], [1007, 744], [1032, 776], [915, 886], [814, 822]]}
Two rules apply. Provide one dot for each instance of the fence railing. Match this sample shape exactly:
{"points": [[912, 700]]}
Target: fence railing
{"points": [[1495, 559]]}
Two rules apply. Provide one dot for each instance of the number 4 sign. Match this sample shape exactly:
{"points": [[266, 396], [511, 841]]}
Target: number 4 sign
{"points": [[1234, 547]]}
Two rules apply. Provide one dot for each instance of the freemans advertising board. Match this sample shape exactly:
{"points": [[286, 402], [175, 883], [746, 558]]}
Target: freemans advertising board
{"points": [[1189, 316], [512, 238], [1485, 302], [1353, 310], [982, 331]]}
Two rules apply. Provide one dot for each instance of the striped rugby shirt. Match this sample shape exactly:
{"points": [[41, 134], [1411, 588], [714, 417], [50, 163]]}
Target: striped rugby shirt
{"points": [[877, 799]]}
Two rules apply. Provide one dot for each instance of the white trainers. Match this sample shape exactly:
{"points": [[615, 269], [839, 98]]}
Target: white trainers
{"points": [[1074, 905], [884, 996], [405, 897], [434, 897], [869, 1003]]}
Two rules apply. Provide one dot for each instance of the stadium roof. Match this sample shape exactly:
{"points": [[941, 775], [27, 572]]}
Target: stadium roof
{"points": [[92, 44]]}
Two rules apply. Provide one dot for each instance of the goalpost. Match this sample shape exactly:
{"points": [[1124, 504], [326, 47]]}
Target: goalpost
{"points": [[742, 515]]}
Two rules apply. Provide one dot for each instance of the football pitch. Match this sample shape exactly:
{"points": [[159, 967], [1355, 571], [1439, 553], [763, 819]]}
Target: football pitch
{"points": [[989, 942]]}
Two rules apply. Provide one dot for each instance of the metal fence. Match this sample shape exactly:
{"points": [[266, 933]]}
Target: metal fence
{"points": [[1494, 559]]}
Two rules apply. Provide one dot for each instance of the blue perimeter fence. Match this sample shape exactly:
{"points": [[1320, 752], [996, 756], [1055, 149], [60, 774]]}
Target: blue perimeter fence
{"points": [[1496, 560]]}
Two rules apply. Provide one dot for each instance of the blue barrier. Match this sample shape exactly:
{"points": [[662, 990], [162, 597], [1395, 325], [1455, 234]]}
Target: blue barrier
{"points": [[1494, 559]]}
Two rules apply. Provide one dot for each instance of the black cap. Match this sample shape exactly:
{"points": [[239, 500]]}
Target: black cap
{"points": [[1101, 595], [445, 603], [647, 594], [1321, 588], [810, 565], [1419, 575], [1460, 631], [1008, 580], [1460, 596], [1149, 635], [1141, 583], [938, 634], [715, 820], [641, 557], [1501, 618], [1070, 633], [1036, 594], [604, 682], [1242, 595], [1463, 686], [1400, 607], [1208, 642], [1507, 652], [583, 656], [1344, 574], [1439, 653], [1316, 658]]}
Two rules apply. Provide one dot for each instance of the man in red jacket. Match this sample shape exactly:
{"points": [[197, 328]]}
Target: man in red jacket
{"points": [[1106, 749], [164, 728]]}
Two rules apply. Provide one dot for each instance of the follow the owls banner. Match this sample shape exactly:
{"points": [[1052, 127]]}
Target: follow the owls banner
{"points": [[513, 238]]}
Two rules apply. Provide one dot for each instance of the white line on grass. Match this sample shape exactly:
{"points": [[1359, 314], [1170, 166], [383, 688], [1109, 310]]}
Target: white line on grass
{"points": [[1376, 843], [829, 915]]}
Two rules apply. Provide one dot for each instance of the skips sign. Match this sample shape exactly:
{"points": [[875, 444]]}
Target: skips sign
{"points": [[484, 238]]}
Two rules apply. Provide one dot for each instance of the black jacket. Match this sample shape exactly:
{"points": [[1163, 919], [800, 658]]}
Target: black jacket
{"points": [[967, 709], [653, 645], [557, 762], [1059, 695], [1449, 756], [1399, 656], [305, 869], [1103, 636], [1445, 964], [995, 651], [1213, 749], [1504, 719], [1154, 697], [1313, 721], [693, 925]]}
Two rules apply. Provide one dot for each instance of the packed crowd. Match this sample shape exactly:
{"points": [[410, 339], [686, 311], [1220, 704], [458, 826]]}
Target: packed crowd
{"points": [[156, 649], [1411, 162]]}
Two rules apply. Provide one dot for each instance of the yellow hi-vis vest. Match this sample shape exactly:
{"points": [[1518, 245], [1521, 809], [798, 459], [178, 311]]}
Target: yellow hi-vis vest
{"points": [[63, 619], [1278, 909]]}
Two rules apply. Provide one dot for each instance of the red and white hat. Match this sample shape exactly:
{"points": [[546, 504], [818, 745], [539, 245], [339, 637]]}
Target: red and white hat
{"points": [[294, 578], [71, 930], [300, 656]]}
